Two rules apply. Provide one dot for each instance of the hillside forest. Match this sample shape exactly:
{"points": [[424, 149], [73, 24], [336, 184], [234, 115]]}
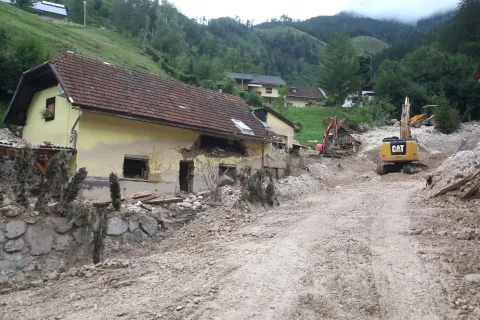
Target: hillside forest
{"points": [[432, 61]]}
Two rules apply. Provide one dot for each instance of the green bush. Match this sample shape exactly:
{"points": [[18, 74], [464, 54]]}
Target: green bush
{"points": [[447, 119], [254, 99], [299, 125]]}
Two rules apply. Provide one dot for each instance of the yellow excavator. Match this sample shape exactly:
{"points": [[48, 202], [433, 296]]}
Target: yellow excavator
{"points": [[425, 118], [400, 153]]}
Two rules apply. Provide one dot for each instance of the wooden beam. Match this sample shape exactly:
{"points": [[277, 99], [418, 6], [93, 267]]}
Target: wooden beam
{"points": [[459, 183]]}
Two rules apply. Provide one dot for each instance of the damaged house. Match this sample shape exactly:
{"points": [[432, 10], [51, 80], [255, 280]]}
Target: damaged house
{"points": [[156, 134]]}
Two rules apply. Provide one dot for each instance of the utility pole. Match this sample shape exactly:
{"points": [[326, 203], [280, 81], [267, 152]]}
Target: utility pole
{"points": [[84, 13]]}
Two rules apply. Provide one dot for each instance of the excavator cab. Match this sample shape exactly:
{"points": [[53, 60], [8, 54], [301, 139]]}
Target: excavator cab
{"points": [[426, 118]]}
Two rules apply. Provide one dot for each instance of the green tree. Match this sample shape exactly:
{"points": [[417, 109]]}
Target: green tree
{"points": [[339, 69], [447, 119], [23, 4], [280, 103]]}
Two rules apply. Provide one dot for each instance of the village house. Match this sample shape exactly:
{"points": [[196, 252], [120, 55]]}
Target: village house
{"points": [[299, 96], [47, 10], [284, 129], [265, 86], [156, 134]]}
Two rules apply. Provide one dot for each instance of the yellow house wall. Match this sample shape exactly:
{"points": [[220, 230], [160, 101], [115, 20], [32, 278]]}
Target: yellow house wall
{"points": [[281, 128], [105, 140], [297, 102], [263, 91], [58, 130]]}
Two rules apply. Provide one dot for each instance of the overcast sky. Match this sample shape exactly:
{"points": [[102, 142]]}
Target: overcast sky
{"points": [[260, 10]]}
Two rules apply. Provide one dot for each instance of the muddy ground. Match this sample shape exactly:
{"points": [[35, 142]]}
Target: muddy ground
{"points": [[358, 246]]}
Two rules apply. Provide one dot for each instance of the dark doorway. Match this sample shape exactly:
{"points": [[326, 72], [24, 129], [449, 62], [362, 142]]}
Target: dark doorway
{"points": [[186, 176]]}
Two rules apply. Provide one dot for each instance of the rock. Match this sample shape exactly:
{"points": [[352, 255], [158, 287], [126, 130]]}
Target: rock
{"points": [[40, 240], [15, 228], [80, 222], [6, 202], [62, 224], [30, 220], [226, 181], [127, 238], [133, 224], [199, 198], [14, 245], [178, 308], [78, 235], [63, 242], [197, 204], [10, 211], [149, 225], [116, 226], [54, 276], [140, 236], [187, 205], [473, 278], [2, 237]]}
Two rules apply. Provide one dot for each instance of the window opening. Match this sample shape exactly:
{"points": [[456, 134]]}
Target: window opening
{"points": [[135, 167], [186, 176], [50, 109]]}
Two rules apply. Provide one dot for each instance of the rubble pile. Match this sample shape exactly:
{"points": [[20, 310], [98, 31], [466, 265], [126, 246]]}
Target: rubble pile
{"points": [[295, 186], [459, 175]]}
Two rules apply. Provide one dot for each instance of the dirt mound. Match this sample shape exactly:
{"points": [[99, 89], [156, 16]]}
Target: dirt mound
{"points": [[455, 168], [430, 139], [292, 187]]}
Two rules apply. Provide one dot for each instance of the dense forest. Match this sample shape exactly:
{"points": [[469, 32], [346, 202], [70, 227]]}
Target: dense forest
{"points": [[437, 57]]}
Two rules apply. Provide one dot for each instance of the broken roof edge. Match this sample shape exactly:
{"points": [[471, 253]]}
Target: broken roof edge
{"points": [[278, 115], [166, 123]]}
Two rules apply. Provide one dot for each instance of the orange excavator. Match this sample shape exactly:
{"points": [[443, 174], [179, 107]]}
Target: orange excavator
{"points": [[336, 140]]}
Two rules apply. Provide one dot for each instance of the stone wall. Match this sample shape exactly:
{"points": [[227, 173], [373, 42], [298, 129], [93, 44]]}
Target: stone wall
{"points": [[31, 241]]}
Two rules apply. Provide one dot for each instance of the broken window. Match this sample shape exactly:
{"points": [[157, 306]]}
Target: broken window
{"points": [[229, 170], [135, 167], [50, 109], [230, 145]]}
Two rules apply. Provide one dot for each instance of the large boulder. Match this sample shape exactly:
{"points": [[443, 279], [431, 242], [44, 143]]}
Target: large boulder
{"points": [[133, 224], [140, 236], [15, 229], [116, 226], [10, 211], [14, 245], [62, 224], [40, 240], [149, 225], [63, 242]]}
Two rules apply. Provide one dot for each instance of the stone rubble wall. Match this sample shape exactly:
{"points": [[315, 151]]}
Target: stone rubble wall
{"points": [[32, 241]]}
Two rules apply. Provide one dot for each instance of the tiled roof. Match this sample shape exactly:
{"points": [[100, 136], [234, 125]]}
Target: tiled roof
{"points": [[257, 78], [476, 76], [305, 92], [93, 84]]}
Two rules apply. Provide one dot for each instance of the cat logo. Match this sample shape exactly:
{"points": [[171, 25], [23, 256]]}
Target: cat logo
{"points": [[397, 148]]}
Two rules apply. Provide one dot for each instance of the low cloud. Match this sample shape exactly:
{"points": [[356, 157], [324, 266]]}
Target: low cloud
{"points": [[407, 11]]}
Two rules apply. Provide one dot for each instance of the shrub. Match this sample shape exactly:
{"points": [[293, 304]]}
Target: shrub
{"points": [[447, 119], [377, 112], [23, 167], [115, 191], [254, 99]]}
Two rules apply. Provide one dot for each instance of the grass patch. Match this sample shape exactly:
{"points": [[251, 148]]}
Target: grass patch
{"points": [[95, 43], [368, 45], [313, 121]]}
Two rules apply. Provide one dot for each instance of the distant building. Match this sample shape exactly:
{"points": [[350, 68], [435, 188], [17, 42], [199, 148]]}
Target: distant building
{"points": [[47, 10], [302, 96], [265, 86], [476, 76]]}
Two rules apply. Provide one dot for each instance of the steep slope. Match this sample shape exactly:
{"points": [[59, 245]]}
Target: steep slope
{"points": [[92, 42]]}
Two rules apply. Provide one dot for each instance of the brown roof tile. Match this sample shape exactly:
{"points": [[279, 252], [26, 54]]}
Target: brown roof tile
{"points": [[305, 92], [96, 84]]}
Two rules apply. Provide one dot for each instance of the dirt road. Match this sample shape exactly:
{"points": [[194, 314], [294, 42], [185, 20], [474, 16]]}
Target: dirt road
{"points": [[342, 253]]}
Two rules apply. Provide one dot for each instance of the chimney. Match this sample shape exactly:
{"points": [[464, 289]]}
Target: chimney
{"points": [[219, 88]]}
